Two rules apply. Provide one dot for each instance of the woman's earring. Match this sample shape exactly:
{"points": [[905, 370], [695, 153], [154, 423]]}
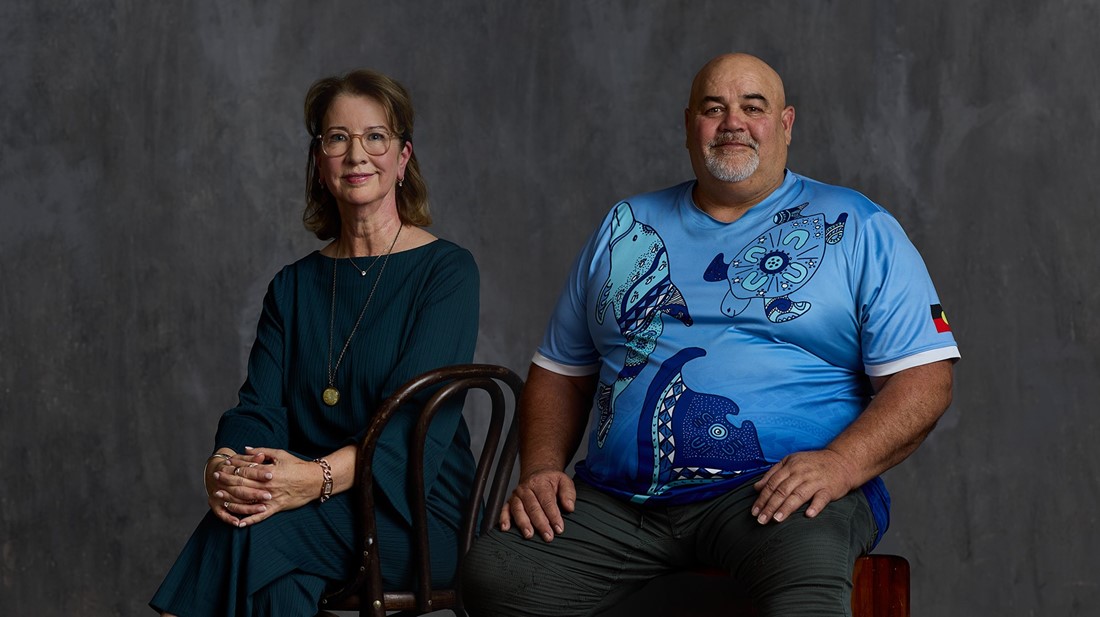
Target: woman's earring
{"points": [[400, 182]]}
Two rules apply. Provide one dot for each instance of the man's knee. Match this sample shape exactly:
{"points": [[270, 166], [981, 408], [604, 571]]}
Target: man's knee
{"points": [[503, 575], [805, 565], [493, 574], [479, 573]]}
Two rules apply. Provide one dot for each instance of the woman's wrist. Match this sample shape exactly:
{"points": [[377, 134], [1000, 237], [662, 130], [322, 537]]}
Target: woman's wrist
{"points": [[326, 479]]}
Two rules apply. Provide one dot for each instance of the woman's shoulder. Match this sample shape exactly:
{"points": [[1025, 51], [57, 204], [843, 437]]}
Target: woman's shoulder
{"points": [[441, 250], [309, 262], [307, 267]]}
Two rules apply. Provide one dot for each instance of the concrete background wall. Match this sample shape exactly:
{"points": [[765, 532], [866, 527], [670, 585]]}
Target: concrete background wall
{"points": [[151, 180]]}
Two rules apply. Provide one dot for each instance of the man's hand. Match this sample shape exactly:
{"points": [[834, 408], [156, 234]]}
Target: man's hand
{"points": [[534, 505], [818, 477], [553, 413]]}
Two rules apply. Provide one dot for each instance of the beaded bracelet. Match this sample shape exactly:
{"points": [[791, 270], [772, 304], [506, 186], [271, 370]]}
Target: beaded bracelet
{"points": [[326, 483]]}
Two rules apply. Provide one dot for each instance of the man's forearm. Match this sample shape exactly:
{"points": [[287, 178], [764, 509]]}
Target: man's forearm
{"points": [[901, 415], [553, 416]]}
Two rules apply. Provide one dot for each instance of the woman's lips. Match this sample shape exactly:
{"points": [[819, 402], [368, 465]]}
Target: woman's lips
{"points": [[356, 179]]}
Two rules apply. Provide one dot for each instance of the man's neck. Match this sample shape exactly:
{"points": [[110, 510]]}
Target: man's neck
{"points": [[729, 201]]}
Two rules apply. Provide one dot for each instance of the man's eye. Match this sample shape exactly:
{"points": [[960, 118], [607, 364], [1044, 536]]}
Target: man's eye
{"points": [[712, 111]]}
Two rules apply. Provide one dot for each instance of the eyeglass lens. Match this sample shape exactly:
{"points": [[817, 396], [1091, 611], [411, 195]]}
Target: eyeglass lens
{"points": [[336, 142]]}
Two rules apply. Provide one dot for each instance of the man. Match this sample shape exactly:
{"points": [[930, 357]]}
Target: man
{"points": [[759, 346]]}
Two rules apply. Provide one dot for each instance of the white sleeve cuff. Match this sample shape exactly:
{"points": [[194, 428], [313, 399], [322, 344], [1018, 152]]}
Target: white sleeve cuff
{"points": [[919, 359], [564, 369]]}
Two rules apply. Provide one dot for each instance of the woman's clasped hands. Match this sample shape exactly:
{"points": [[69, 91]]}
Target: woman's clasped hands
{"points": [[244, 489]]}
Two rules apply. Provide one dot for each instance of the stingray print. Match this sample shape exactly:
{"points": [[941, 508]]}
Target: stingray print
{"points": [[639, 290], [779, 263], [695, 436]]}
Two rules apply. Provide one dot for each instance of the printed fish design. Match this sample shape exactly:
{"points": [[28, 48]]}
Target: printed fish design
{"points": [[695, 436], [639, 290]]}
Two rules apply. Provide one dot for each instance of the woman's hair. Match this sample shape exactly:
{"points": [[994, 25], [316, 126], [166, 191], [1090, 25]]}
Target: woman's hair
{"points": [[321, 215]]}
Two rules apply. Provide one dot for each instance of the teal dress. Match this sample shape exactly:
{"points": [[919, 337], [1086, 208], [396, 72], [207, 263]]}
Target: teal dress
{"points": [[423, 315]]}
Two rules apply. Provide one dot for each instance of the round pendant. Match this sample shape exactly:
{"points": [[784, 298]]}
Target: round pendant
{"points": [[330, 396]]}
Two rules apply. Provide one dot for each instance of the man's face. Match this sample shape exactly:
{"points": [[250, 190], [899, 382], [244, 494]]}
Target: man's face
{"points": [[738, 126]]}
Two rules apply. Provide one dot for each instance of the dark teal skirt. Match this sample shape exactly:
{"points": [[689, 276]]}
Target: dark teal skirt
{"points": [[282, 566]]}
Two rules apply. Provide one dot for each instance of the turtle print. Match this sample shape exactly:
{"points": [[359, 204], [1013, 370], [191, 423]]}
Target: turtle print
{"points": [[777, 264]]}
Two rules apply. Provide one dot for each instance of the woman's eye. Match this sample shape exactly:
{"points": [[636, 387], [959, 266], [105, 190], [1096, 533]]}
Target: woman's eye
{"points": [[335, 138], [376, 136]]}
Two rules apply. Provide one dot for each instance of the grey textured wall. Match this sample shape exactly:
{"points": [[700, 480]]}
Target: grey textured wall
{"points": [[151, 164]]}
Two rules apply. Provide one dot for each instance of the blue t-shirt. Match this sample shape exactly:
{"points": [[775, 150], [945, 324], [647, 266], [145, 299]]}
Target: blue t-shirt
{"points": [[723, 347]]}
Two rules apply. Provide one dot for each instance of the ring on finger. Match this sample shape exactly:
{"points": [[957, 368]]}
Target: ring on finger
{"points": [[236, 471], [251, 465], [226, 505]]}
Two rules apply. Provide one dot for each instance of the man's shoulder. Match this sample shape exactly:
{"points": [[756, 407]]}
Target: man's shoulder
{"points": [[644, 208], [660, 197], [833, 195]]}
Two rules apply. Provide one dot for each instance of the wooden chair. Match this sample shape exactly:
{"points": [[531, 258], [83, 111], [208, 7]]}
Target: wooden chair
{"points": [[880, 586], [364, 592], [880, 583]]}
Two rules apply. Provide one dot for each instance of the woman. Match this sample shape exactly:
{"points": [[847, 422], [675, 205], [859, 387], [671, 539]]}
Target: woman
{"points": [[340, 330]]}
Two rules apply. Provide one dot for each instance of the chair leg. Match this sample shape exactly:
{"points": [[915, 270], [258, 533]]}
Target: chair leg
{"points": [[880, 586]]}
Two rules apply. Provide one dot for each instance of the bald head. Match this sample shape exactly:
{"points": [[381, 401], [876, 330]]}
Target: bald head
{"points": [[724, 66], [738, 128]]}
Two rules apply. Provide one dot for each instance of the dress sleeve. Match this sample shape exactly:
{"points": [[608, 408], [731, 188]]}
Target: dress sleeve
{"points": [[260, 417], [443, 332]]}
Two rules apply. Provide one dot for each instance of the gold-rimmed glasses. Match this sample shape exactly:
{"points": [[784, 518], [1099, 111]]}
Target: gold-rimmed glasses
{"points": [[336, 142]]}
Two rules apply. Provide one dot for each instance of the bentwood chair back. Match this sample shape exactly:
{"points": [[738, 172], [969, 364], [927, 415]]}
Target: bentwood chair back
{"points": [[363, 592]]}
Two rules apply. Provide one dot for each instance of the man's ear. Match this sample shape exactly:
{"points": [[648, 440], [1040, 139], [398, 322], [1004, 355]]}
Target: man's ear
{"points": [[788, 122]]}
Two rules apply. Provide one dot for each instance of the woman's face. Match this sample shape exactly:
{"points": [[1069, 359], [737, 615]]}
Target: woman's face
{"points": [[357, 177]]}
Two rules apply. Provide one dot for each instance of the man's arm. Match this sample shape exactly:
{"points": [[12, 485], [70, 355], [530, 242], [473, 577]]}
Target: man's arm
{"points": [[905, 409], [553, 416]]}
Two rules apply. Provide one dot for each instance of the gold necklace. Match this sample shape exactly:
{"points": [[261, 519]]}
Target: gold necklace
{"points": [[363, 272], [331, 395]]}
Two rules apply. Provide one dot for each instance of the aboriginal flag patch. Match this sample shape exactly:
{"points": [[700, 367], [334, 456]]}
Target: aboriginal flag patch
{"points": [[940, 319]]}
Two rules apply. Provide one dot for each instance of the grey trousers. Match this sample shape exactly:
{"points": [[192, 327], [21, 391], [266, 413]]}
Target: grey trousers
{"points": [[611, 548]]}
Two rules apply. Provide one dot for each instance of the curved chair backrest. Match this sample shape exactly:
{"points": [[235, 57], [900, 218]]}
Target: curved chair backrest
{"points": [[364, 592]]}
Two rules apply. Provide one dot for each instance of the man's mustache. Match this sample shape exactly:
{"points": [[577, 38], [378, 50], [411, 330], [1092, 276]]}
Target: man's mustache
{"points": [[734, 138]]}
